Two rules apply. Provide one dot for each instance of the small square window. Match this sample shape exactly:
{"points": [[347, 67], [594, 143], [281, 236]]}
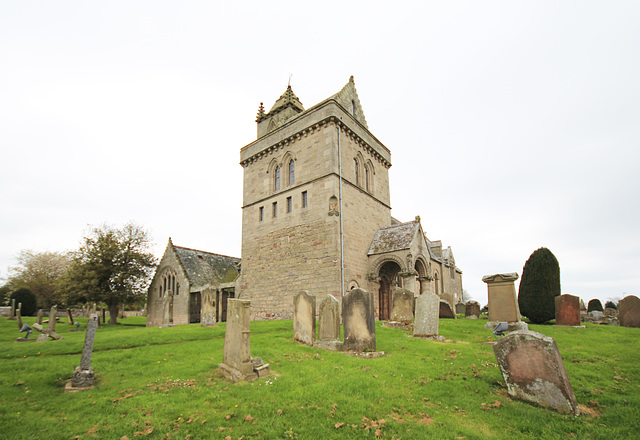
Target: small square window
{"points": [[275, 209], [304, 199], [261, 213], [289, 204]]}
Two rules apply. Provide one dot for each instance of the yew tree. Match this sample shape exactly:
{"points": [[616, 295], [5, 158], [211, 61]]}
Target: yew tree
{"points": [[112, 266], [539, 286]]}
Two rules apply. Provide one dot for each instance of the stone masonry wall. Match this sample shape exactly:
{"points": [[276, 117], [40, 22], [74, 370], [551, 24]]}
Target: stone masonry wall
{"points": [[180, 301]]}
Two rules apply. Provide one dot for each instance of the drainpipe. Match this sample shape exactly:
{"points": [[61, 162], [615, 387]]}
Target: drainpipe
{"points": [[341, 216]]}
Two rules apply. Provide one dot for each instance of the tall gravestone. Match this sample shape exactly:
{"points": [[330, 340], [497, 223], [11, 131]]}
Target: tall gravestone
{"points": [[304, 318], [629, 311], [329, 319], [503, 301], [52, 319], [358, 316], [39, 316], [69, 316], [427, 315], [19, 315], [13, 309], [472, 310], [533, 370], [402, 306], [567, 310], [83, 375], [208, 308]]}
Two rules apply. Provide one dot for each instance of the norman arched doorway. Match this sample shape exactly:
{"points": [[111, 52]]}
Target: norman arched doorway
{"points": [[388, 279]]}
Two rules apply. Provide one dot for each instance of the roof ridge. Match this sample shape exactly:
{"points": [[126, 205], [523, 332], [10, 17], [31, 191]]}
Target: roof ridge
{"points": [[205, 252]]}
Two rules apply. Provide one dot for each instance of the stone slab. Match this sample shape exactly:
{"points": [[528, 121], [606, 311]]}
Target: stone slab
{"points": [[567, 310], [427, 315], [629, 311], [402, 305], [445, 310], [304, 318], [358, 315]]}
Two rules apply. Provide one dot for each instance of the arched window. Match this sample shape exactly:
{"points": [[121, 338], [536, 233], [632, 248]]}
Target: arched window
{"points": [[357, 168], [168, 285], [276, 179], [292, 172], [366, 178]]}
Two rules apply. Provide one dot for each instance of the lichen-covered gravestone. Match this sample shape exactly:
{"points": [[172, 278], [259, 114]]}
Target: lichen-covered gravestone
{"points": [[208, 308], [533, 370], [472, 310], [304, 318], [629, 311], [567, 310], [83, 375], [402, 306], [358, 316], [427, 315], [329, 320], [52, 319]]}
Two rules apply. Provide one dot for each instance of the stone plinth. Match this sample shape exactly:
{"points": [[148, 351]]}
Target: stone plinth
{"points": [[533, 370], [329, 319], [567, 310], [304, 318], [629, 311], [358, 316], [503, 301], [427, 315], [402, 306]]}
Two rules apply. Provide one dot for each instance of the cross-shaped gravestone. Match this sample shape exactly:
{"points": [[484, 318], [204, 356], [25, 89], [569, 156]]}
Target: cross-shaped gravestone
{"points": [[83, 375], [45, 333]]}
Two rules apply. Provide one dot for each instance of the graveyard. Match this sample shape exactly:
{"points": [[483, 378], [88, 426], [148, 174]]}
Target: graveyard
{"points": [[164, 383]]}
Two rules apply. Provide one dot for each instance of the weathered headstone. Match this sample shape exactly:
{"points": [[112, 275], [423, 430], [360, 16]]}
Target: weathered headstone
{"points": [[237, 362], [567, 310], [19, 315], [83, 375], [503, 301], [445, 310], [52, 319], [461, 308], [46, 333], [427, 315], [533, 370], [358, 316], [39, 316], [329, 319], [304, 318], [472, 310], [69, 316], [13, 309], [208, 308], [402, 306], [629, 311]]}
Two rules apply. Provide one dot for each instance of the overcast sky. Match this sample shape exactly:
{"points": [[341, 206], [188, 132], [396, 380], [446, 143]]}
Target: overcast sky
{"points": [[511, 125]]}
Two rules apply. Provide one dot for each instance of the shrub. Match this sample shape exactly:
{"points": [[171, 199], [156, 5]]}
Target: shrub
{"points": [[594, 305], [539, 286], [610, 305], [28, 300]]}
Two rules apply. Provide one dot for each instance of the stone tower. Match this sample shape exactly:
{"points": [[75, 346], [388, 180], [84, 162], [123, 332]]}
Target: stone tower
{"points": [[295, 207]]}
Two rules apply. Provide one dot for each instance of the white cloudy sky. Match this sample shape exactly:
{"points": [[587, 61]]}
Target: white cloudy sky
{"points": [[512, 125]]}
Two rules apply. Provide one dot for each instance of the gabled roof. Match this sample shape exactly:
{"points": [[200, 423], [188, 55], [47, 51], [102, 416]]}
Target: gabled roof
{"points": [[205, 268], [394, 238], [348, 98]]}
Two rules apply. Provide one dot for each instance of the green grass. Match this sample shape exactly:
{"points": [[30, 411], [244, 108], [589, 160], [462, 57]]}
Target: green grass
{"points": [[163, 383]]}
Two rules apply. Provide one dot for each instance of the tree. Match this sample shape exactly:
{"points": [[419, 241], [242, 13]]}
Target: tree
{"points": [[539, 286], [27, 299], [112, 266], [39, 272]]}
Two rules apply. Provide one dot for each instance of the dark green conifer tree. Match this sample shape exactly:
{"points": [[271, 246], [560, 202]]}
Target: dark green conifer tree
{"points": [[539, 286]]}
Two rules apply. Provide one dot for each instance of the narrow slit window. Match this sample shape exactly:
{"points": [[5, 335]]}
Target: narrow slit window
{"points": [[261, 213], [275, 209], [304, 199], [289, 204]]}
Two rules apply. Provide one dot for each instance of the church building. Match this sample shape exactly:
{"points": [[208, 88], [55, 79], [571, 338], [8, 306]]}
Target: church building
{"points": [[316, 213]]}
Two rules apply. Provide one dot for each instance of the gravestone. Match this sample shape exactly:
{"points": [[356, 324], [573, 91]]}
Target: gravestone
{"points": [[304, 318], [39, 316], [472, 310], [503, 301], [427, 315], [329, 319], [52, 319], [445, 310], [358, 316], [83, 375], [629, 311], [402, 306], [461, 308], [533, 370], [19, 315], [45, 333], [12, 316], [567, 310], [596, 314], [583, 308], [104, 316], [208, 308], [69, 316], [237, 363]]}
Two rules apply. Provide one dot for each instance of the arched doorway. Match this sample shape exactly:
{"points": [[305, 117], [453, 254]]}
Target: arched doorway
{"points": [[421, 279], [388, 279]]}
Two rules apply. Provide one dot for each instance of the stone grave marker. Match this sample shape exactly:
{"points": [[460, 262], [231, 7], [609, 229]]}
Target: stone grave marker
{"points": [[208, 308], [610, 312], [45, 333], [461, 308], [358, 316], [567, 310], [39, 316], [503, 301], [445, 310], [583, 308], [52, 319], [103, 321], [83, 375], [69, 316], [13, 309], [237, 363], [402, 306], [19, 315], [533, 370], [629, 311], [304, 318], [329, 319], [472, 310], [427, 315]]}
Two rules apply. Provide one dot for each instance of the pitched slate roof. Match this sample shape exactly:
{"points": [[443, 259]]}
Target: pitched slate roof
{"points": [[394, 238], [207, 268]]}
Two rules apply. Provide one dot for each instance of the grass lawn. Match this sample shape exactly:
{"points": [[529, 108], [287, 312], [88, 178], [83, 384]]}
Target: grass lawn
{"points": [[163, 384]]}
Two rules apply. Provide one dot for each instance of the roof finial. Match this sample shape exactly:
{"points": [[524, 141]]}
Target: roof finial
{"points": [[261, 114], [289, 83]]}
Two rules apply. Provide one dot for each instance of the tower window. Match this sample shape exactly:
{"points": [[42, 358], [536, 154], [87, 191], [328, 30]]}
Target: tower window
{"points": [[289, 204], [357, 168], [304, 199], [366, 179], [276, 179], [261, 213], [275, 209], [292, 172]]}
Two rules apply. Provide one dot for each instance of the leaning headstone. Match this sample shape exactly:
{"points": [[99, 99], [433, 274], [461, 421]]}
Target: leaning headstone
{"points": [[472, 310], [503, 301], [358, 316], [461, 308], [13, 309], [402, 306], [52, 319], [304, 318], [629, 311], [533, 370], [237, 363], [19, 315], [567, 310], [427, 315], [83, 375], [46, 333], [39, 316], [445, 310], [69, 316], [329, 319], [208, 308]]}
